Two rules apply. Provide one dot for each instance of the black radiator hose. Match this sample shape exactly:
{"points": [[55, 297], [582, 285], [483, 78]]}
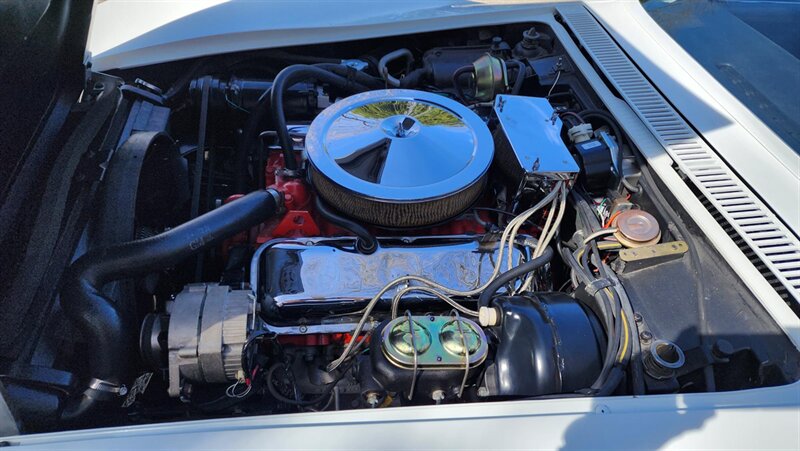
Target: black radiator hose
{"points": [[295, 74], [366, 243], [338, 75], [103, 325]]}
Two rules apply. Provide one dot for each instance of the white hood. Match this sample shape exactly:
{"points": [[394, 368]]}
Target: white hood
{"points": [[128, 33]]}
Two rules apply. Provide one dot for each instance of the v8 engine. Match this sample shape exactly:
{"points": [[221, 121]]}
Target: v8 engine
{"points": [[456, 217]]}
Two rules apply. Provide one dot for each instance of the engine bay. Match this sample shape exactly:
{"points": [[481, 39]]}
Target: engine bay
{"points": [[429, 219]]}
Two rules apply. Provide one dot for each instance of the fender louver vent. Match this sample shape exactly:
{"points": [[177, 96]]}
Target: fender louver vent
{"points": [[750, 254], [769, 244]]}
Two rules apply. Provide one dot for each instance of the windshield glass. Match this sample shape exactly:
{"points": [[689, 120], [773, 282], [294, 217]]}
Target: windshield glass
{"points": [[751, 47]]}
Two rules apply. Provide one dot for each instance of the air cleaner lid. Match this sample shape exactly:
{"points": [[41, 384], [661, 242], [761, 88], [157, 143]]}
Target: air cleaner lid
{"points": [[400, 145]]}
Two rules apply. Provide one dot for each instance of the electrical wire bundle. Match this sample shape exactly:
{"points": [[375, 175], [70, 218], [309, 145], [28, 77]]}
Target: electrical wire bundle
{"points": [[557, 197], [327, 394], [612, 306], [255, 377], [551, 225]]}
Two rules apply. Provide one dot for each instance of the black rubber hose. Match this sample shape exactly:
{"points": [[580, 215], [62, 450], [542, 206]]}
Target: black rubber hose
{"points": [[181, 84], [414, 78], [614, 331], [457, 80], [366, 243], [591, 223], [259, 112], [615, 376], [603, 310], [634, 358], [283, 81], [356, 75], [102, 324], [522, 72], [316, 400], [514, 273], [608, 119]]}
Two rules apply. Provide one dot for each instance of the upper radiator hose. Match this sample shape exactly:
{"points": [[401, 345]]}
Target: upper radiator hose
{"points": [[103, 325]]}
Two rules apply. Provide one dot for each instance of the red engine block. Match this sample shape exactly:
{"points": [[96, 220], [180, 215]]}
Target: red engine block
{"points": [[300, 219]]}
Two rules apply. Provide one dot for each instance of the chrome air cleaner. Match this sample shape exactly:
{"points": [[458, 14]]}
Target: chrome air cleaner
{"points": [[399, 158]]}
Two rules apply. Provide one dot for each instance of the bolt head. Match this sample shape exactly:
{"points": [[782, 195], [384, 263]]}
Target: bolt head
{"points": [[723, 348], [602, 409]]}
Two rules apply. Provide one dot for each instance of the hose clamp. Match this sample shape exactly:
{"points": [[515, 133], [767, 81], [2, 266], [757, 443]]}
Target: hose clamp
{"points": [[277, 196], [102, 389]]}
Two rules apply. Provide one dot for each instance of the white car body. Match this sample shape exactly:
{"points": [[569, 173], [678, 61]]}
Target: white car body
{"points": [[132, 33]]}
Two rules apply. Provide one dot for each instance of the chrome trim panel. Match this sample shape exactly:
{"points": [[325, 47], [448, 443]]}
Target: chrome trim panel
{"points": [[330, 272]]}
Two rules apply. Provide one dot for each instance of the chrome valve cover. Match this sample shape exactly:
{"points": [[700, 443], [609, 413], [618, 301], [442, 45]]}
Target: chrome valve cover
{"points": [[317, 276]]}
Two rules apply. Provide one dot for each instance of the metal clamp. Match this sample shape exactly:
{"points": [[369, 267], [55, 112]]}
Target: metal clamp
{"points": [[102, 389]]}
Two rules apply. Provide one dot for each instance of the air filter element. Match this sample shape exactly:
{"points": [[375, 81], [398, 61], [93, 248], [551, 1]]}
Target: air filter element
{"points": [[399, 158]]}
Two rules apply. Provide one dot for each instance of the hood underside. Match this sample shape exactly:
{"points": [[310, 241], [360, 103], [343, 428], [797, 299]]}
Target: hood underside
{"points": [[128, 34]]}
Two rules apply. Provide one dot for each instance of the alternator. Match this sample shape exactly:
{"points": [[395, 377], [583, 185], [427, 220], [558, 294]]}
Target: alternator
{"points": [[208, 327]]}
